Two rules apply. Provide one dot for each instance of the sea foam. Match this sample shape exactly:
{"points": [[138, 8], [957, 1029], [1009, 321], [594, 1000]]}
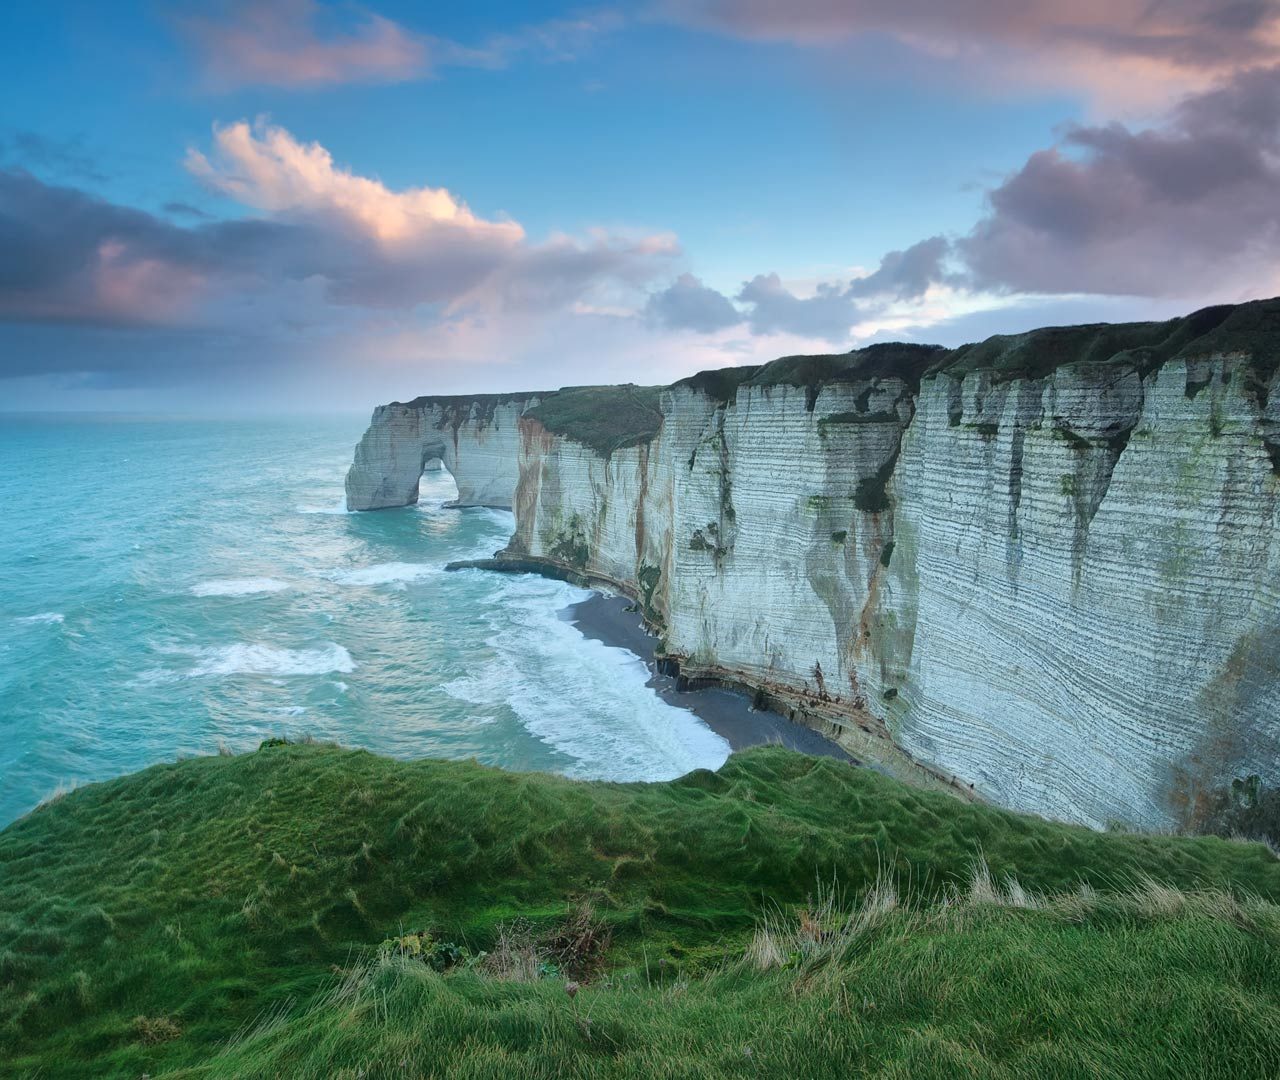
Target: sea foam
{"points": [[256, 659], [392, 573], [237, 586], [585, 699], [339, 507], [43, 617]]}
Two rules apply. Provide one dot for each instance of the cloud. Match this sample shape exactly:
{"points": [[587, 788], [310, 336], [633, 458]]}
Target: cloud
{"points": [[298, 43], [554, 41], [181, 209], [372, 245], [906, 275], [303, 44], [319, 260], [379, 247], [688, 304], [68, 257], [1190, 207], [266, 168], [1187, 209], [1088, 43], [828, 314], [59, 157]]}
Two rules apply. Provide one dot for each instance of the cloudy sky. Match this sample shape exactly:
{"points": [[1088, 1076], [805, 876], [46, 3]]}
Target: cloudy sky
{"points": [[304, 205]]}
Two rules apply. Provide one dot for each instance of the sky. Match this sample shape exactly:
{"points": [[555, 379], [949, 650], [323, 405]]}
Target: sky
{"points": [[301, 205]]}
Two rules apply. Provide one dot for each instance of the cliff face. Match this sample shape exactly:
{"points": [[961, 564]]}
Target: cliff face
{"points": [[1047, 566], [475, 437]]}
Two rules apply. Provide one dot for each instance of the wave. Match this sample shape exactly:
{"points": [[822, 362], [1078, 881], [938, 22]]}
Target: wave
{"points": [[340, 507], [585, 699], [237, 586], [390, 573], [43, 617], [247, 659]]}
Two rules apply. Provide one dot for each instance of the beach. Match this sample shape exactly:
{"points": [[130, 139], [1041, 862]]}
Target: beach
{"points": [[612, 620]]}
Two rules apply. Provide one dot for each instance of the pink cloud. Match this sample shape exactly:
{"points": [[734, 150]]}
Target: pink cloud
{"points": [[294, 43], [1118, 50], [266, 168], [380, 247]]}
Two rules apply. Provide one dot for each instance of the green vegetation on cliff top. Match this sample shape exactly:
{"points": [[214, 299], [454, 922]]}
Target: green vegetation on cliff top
{"points": [[605, 418], [219, 918], [1251, 329], [609, 418]]}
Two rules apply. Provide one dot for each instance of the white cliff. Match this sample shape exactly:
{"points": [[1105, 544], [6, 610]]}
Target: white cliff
{"points": [[475, 437], [1047, 567]]}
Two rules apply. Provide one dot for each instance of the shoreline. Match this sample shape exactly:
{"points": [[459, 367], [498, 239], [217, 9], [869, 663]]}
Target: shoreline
{"points": [[604, 617]]}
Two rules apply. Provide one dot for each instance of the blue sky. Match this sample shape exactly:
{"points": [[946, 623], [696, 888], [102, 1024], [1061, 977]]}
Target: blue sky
{"points": [[628, 193]]}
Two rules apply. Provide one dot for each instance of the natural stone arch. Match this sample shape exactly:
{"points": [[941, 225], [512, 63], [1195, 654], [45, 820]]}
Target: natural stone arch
{"points": [[476, 439], [392, 456]]}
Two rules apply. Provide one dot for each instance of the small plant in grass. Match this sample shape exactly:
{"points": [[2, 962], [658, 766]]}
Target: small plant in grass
{"points": [[579, 944], [151, 1030], [420, 945]]}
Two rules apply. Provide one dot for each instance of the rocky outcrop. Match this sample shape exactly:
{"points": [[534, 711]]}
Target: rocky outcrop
{"points": [[1045, 566], [475, 437]]}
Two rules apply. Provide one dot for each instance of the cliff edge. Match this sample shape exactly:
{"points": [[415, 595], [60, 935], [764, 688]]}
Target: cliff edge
{"points": [[1043, 566]]}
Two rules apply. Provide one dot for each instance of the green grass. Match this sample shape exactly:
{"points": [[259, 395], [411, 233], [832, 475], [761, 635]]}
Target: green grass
{"points": [[897, 359], [605, 418], [1109, 988], [146, 921], [1251, 330]]}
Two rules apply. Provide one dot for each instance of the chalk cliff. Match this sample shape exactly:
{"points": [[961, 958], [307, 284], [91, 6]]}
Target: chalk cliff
{"points": [[1046, 566], [476, 437]]}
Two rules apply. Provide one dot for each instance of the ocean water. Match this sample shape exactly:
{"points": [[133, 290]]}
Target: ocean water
{"points": [[169, 587]]}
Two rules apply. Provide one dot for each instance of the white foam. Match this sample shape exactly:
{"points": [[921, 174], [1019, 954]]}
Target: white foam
{"points": [[43, 617], [237, 586], [340, 686], [340, 507], [395, 574], [251, 659], [586, 699]]}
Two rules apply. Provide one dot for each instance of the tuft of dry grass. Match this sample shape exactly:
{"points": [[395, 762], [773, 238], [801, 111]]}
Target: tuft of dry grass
{"points": [[984, 890], [574, 948], [578, 945], [152, 1030], [820, 931], [514, 956]]}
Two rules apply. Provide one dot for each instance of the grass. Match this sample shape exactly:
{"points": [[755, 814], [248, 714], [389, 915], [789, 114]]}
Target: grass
{"points": [[1074, 988], [887, 360], [1244, 329], [220, 917], [605, 418], [1250, 329]]}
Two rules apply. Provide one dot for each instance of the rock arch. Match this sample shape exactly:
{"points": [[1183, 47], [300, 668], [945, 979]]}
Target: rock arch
{"points": [[475, 438]]}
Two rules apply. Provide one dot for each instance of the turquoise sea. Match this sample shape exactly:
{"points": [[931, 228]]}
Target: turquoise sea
{"points": [[169, 587]]}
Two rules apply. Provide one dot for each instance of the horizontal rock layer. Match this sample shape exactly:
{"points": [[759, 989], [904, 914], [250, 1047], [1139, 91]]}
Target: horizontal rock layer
{"points": [[1046, 566]]}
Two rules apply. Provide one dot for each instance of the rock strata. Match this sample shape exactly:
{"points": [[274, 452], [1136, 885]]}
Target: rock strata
{"points": [[1045, 567]]}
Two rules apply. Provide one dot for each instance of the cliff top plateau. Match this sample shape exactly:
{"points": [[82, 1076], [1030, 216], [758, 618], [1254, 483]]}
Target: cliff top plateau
{"points": [[613, 417]]}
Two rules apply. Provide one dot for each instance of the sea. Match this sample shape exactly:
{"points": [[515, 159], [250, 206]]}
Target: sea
{"points": [[172, 587]]}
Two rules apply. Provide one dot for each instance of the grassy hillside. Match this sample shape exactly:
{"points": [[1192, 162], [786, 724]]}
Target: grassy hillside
{"points": [[220, 917]]}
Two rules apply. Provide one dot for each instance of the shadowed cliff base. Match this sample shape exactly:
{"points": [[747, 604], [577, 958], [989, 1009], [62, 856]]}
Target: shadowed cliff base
{"points": [[616, 621]]}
